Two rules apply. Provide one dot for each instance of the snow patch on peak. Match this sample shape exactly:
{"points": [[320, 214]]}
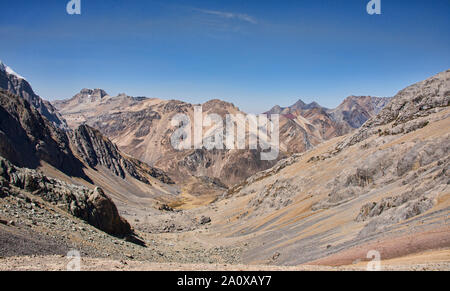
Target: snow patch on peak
{"points": [[8, 70]]}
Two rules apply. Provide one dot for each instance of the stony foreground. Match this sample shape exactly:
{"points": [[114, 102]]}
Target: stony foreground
{"points": [[59, 263]]}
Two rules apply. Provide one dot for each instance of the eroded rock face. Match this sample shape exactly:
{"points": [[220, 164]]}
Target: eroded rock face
{"points": [[416, 101], [415, 203], [95, 149], [404, 162], [392, 175], [90, 95], [26, 137], [93, 206]]}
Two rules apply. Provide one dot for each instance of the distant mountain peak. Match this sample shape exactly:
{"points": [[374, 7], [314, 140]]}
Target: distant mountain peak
{"points": [[97, 91], [312, 105], [8, 70], [90, 95], [218, 103], [356, 110], [299, 105]]}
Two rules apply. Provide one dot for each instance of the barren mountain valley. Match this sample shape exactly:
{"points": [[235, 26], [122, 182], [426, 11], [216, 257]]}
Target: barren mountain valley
{"points": [[98, 174]]}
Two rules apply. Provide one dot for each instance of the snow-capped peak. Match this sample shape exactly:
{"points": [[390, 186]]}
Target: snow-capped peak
{"points": [[8, 70]]}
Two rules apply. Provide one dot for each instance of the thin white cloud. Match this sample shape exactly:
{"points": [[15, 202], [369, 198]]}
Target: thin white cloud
{"points": [[230, 15]]}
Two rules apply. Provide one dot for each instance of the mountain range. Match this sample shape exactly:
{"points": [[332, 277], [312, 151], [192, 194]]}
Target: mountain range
{"points": [[98, 173], [138, 125]]}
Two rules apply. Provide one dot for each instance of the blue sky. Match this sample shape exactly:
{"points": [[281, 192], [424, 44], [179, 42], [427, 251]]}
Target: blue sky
{"points": [[253, 53]]}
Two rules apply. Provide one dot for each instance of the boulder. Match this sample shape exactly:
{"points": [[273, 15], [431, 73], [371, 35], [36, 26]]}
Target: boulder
{"points": [[104, 215]]}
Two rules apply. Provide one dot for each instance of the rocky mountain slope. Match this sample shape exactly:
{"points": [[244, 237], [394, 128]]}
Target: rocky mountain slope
{"points": [[43, 216], [95, 149], [17, 85], [384, 187], [27, 138], [406, 111], [82, 156]]}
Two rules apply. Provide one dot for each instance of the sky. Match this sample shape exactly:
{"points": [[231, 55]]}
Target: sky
{"points": [[254, 53]]}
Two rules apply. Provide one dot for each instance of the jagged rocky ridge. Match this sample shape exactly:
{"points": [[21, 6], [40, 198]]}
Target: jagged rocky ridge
{"points": [[95, 149], [27, 138], [17, 85], [32, 131]]}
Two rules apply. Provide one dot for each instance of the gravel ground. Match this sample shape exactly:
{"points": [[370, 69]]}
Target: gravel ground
{"points": [[59, 263], [34, 227]]}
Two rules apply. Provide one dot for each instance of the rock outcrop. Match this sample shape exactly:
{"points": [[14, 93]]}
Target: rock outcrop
{"points": [[26, 138], [95, 149], [103, 214], [92, 206]]}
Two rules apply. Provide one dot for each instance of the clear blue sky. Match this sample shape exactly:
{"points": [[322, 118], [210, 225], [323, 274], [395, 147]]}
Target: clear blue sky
{"points": [[254, 53]]}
